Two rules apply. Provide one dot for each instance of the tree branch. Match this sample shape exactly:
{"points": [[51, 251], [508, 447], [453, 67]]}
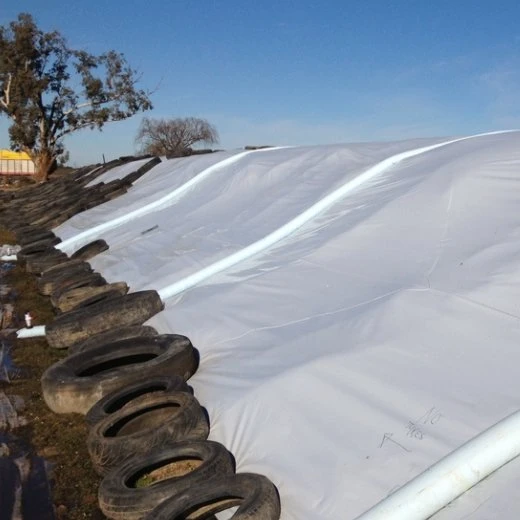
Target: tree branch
{"points": [[7, 92]]}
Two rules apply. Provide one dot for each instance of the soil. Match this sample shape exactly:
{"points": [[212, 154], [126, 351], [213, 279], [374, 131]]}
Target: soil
{"points": [[60, 440], [173, 469]]}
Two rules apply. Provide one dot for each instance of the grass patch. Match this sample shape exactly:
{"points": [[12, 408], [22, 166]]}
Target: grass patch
{"points": [[61, 439]]}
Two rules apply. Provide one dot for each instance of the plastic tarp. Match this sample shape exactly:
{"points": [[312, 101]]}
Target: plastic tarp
{"points": [[360, 349]]}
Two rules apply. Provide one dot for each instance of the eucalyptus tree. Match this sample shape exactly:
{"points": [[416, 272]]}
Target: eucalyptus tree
{"points": [[49, 90]]}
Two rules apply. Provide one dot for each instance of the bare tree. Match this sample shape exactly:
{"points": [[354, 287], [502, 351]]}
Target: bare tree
{"points": [[174, 137]]}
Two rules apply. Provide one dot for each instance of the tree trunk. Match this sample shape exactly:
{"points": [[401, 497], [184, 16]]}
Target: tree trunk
{"points": [[43, 162]]}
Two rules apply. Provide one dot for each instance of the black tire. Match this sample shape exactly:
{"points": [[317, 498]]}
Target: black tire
{"points": [[50, 281], [38, 242], [70, 299], [132, 177], [76, 281], [120, 499], [43, 262], [137, 392], [76, 383], [130, 309], [111, 336], [144, 426], [90, 250], [70, 281], [35, 249], [94, 299], [25, 239], [60, 269], [255, 495], [32, 235]]}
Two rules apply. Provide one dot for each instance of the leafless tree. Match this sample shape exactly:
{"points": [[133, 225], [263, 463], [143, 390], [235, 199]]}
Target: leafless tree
{"points": [[174, 137]]}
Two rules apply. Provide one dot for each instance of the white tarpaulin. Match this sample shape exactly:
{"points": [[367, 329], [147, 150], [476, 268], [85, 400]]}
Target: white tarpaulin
{"points": [[356, 351]]}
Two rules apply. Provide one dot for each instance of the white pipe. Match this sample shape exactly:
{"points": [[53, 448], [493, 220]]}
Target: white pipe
{"points": [[33, 332], [70, 243], [297, 222], [441, 483]]}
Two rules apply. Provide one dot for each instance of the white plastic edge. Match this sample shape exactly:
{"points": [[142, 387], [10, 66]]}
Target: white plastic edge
{"points": [[297, 222], [447, 479], [8, 258], [70, 243], [33, 332]]}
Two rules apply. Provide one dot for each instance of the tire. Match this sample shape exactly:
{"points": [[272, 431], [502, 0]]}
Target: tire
{"points": [[71, 299], [121, 499], [255, 495], [111, 336], [29, 237], [137, 392], [40, 239], [50, 281], [43, 262], [69, 280], [93, 299], [90, 250], [76, 383], [78, 280], [130, 309], [132, 177], [36, 249], [144, 426], [60, 269]]}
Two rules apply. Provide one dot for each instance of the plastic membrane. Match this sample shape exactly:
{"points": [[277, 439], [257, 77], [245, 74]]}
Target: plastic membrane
{"points": [[453, 475], [356, 311], [302, 219], [69, 244]]}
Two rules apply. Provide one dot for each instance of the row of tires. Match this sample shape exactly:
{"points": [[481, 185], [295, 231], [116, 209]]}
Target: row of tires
{"points": [[49, 205], [148, 434]]}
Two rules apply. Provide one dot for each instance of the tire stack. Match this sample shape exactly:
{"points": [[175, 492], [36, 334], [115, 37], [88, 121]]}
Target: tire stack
{"points": [[46, 206], [148, 434]]}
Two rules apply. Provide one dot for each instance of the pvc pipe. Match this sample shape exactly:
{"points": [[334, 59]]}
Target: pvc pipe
{"points": [[33, 332], [297, 222], [441, 483], [70, 243]]}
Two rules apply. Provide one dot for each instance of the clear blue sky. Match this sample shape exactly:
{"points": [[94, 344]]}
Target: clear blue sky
{"points": [[302, 72]]}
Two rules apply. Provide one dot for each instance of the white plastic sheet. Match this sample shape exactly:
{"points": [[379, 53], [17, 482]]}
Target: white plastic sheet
{"points": [[355, 353]]}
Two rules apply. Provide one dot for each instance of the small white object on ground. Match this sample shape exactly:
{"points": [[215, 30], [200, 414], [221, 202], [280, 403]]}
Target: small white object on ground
{"points": [[33, 332]]}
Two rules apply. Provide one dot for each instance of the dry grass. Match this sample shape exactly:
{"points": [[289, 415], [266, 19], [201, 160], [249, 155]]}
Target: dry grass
{"points": [[177, 468]]}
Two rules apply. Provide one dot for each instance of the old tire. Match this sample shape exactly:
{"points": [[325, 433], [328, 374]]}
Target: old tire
{"points": [[130, 309], [38, 246], [71, 281], [79, 280], [70, 299], [50, 279], [112, 336], [135, 392], [255, 495], [121, 499], [60, 269], [29, 237], [76, 383], [31, 234], [90, 250], [42, 262], [144, 426]]}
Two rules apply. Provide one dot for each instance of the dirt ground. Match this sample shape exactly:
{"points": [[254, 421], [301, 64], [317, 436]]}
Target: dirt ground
{"points": [[54, 442]]}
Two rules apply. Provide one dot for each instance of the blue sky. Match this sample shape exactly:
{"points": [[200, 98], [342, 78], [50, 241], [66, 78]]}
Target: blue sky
{"points": [[301, 72]]}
